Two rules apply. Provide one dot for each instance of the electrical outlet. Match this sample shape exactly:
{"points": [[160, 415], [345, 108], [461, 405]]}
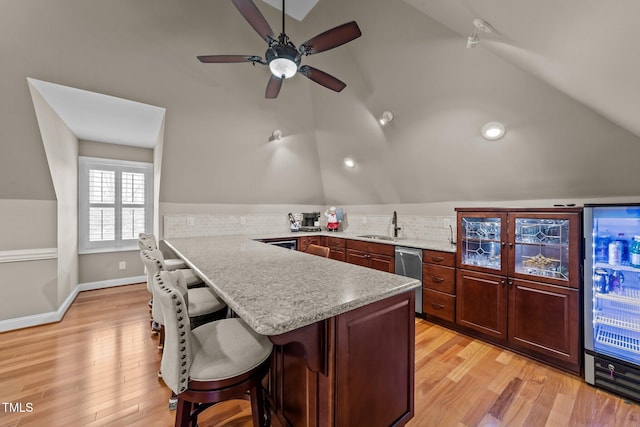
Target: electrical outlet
{"points": [[364, 219], [122, 265], [190, 221], [243, 220]]}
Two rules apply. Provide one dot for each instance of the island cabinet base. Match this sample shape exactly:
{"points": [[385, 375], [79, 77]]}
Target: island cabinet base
{"points": [[353, 369]]}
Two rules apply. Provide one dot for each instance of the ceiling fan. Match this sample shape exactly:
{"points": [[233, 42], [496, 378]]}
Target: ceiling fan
{"points": [[282, 56]]}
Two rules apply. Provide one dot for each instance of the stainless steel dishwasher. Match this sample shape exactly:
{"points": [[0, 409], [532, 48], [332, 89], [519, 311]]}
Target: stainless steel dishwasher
{"points": [[409, 264]]}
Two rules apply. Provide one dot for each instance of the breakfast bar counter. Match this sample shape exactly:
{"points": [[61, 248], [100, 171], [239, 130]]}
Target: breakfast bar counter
{"points": [[344, 334]]}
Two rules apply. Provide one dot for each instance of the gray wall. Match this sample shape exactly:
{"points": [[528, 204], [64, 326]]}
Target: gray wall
{"points": [[217, 123]]}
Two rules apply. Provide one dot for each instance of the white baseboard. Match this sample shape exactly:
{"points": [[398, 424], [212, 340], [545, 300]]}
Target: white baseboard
{"points": [[56, 316]]}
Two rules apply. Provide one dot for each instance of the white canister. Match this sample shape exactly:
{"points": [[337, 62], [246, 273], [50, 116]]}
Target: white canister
{"points": [[615, 252]]}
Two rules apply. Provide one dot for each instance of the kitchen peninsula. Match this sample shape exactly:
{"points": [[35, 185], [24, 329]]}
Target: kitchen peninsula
{"points": [[344, 334]]}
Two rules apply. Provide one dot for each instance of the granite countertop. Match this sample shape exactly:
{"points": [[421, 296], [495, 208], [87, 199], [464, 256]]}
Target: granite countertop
{"points": [[276, 290], [443, 246]]}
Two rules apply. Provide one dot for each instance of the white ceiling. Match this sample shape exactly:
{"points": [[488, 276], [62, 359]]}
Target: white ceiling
{"points": [[585, 48], [296, 9], [103, 118], [559, 75], [588, 49]]}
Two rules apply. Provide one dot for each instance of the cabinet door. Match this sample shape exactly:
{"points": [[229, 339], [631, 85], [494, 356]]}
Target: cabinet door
{"points": [[545, 247], [382, 262], [303, 244], [481, 240], [357, 257], [481, 303], [337, 253], [375, 362], [545, 319]]}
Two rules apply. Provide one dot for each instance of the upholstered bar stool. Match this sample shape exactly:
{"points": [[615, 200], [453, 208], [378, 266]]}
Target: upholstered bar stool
{"points": [[192, 279], [217, 361], [148, 242], [204, 304]]}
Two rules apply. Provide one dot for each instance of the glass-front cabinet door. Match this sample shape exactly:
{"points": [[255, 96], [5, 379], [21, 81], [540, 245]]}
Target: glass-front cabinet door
{"points": [[481, 241], [545, 247]]}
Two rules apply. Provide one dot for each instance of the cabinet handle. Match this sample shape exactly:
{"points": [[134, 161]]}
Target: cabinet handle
{"points": [[502, 282], [437, 306], [511, 244], [437, 258], [437, 279], [511, 283]]}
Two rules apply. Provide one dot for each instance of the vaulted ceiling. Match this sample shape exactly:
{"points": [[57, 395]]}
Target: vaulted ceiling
{"points": [[559, 75]]}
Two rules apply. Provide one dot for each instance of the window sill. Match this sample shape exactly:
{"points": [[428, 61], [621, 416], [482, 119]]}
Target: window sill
{"points": [[108, 250]]}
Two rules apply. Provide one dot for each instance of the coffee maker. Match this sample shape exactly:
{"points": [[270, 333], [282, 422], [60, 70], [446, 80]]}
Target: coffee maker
{"points": [[310, 222]]}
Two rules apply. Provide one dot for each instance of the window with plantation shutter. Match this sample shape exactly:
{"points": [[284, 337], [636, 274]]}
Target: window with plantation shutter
{"points": [[115, 203]]}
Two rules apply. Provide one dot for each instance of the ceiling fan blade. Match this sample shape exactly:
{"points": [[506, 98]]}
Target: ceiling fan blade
{"points": [[322, 78], [331, 38], [273, 87], [224, 59], [253, 16]]}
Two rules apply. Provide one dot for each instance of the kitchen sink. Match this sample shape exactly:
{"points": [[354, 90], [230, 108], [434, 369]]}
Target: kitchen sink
{"points": [[378, 237]]}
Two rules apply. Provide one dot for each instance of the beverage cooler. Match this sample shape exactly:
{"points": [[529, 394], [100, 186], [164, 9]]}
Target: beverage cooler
{"points": [[612, 298]]}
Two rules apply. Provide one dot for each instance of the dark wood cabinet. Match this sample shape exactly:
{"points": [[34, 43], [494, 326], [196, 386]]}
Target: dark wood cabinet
{"points": [[329, 373], [305, 241], [518, 280], [544, 319], [379, 256], [439, 284], [482, 303], [337, 248]]}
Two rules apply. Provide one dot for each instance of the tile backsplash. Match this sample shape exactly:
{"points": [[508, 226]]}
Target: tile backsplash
{"points": [[186, 225], [413, 227]]}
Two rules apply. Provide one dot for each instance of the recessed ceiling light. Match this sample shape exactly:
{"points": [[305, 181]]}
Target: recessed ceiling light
{"points": [[349, 162], [493, 131]]}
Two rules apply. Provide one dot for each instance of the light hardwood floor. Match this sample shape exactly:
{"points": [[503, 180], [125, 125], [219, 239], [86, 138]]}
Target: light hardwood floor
{"points": [[98, 366]]}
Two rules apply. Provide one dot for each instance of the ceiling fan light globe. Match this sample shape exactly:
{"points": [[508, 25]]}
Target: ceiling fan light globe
{"points": [[283, 67]]}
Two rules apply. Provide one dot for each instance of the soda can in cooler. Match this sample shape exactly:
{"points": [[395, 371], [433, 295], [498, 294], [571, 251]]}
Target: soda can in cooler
{"points": [[601, 281]]}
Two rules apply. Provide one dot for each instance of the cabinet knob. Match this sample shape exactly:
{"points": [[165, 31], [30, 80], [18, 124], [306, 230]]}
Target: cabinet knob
{"points": [[437, 279], [437, 258], [437, 306]]}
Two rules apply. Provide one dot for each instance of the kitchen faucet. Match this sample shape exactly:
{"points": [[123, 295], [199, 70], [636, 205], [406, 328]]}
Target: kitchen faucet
{"points": [[395, 224]]}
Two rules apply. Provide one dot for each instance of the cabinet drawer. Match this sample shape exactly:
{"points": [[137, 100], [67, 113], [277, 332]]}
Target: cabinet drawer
{"points": [[439, 257], [337, 242], [339, 254], [439, 278], [439, 305], [375, 248], [304, 242]]}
